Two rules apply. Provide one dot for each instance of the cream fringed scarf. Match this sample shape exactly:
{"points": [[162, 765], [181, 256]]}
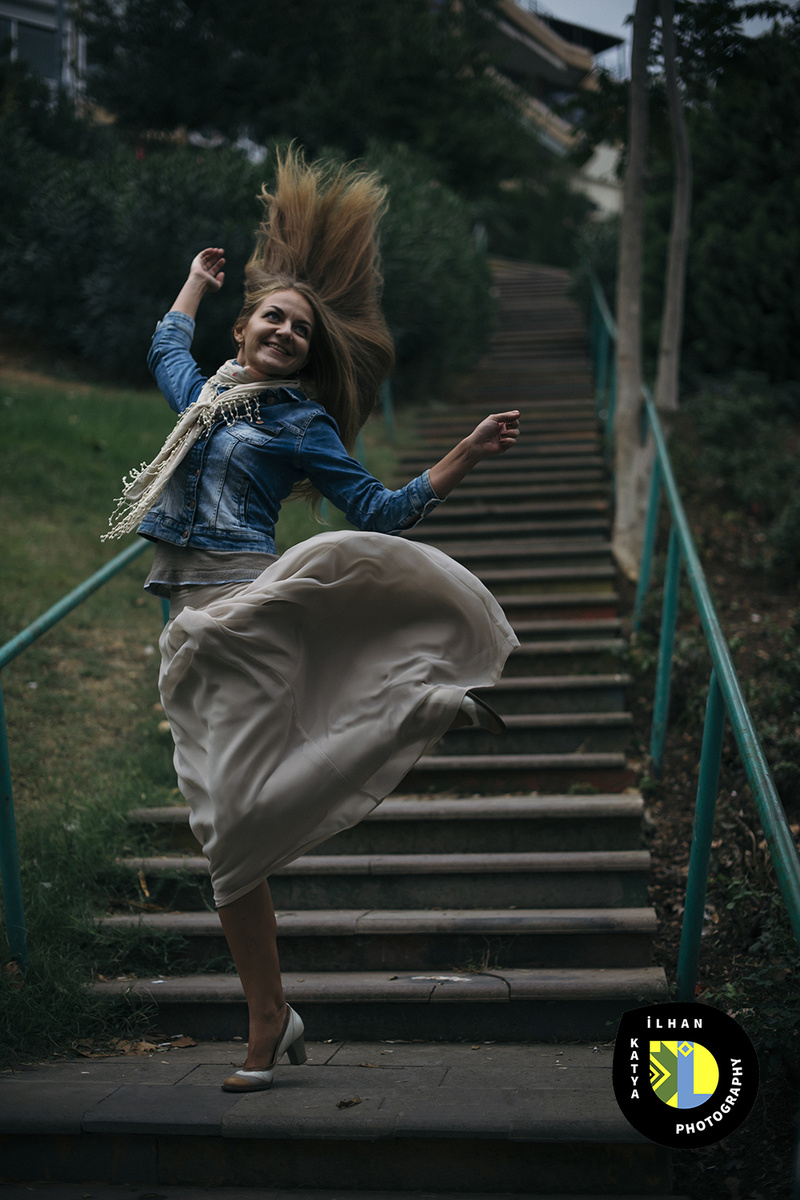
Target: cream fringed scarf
{"points": [[143, 487]]}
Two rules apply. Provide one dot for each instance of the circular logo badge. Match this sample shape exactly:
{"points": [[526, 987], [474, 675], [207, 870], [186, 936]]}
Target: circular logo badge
{"points": [[684, 1074]]}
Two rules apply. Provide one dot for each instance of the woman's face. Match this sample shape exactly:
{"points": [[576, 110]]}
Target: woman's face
{"points": [[276, 340]]}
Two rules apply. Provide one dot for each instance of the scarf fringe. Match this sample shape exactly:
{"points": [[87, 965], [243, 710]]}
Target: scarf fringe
{"points": [[144, 485]]}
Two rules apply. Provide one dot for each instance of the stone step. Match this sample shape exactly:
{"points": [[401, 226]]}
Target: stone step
{"points": [[460, 530], [558, 694], [541, 553], [577, 606], [532, 879], [545, 733], [543, 415], [521, 381], [534, 477], [570, 629], [112, 1191], [566, 656], [508, 1005], [524, 580], [358, 1121], [576, 434], [518, 390], [571, 444], [556, 457], [499, 824], [416, 940], [515, 506], [514, 493], [466, 774]]}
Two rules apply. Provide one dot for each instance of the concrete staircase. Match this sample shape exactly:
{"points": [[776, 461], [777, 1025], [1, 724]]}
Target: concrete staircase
{"points": [[502, 897]]}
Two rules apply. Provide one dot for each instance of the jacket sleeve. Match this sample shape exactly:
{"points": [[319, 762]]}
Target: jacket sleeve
{"points": [[364, 500], [171, 363]]}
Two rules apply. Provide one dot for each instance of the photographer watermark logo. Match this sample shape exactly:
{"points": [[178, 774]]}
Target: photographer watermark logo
{"points": [[684, 1074]]}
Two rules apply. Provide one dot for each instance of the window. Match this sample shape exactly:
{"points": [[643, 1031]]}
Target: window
{"points": [[5, 38], [36, 47]]}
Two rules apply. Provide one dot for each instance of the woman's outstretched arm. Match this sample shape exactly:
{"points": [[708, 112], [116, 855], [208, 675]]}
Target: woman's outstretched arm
{"points": [[206, 274], [496, 434]]}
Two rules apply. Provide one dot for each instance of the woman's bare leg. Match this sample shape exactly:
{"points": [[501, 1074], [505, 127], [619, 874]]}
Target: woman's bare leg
{"points": [[251, 931]]}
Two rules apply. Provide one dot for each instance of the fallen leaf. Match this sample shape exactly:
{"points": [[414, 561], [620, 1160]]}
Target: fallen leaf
{"points": [[183, 1041], [348, 1103], [13, 971]]}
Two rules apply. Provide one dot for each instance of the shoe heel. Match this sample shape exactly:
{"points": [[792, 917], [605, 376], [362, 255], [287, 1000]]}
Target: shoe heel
{"points": [[297, 1051]]}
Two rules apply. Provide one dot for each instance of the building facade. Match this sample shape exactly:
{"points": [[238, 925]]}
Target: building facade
{"points": [[42, 34]]}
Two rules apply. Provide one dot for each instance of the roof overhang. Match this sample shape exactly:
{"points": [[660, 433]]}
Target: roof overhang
{"points": [[528, 47]]}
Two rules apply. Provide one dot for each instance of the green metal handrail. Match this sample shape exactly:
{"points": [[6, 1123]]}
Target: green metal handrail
{"points": [[725, 696], [9, 852]]}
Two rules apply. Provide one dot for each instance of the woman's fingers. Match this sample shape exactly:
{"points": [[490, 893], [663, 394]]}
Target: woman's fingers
{"points": [[498, 431], [210, 264]]}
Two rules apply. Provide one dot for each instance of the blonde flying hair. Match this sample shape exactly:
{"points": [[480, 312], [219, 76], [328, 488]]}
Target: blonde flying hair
{"points": [[319, 238]]}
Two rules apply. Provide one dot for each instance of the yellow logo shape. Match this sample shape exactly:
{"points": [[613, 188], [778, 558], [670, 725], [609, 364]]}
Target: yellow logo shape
{"points": [[682, 1075]]}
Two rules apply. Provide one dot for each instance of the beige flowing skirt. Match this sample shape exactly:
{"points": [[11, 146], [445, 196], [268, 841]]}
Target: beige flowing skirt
{"points": [[299, 701]]}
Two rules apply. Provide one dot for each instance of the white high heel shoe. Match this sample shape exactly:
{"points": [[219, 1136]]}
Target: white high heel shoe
{"points": [[291, 1042]]}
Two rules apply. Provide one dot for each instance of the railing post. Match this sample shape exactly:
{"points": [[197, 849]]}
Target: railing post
{"points": [[9, 856], [700, 854], [611, 401], [601, 382], [387, 407], [650, 530], [669, 613]]}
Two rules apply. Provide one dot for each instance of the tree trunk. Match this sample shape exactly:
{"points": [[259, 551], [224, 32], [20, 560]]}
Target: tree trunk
{"points": [[669, 351], [633, 461]]}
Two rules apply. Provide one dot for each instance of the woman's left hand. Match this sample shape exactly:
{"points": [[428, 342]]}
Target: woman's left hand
{"points": [[496, 434]]}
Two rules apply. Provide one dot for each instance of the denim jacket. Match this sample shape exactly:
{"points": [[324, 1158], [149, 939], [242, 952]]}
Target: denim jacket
{"points": [[227, 491]]}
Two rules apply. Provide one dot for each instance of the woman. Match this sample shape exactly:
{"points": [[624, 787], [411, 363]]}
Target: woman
{"points": [[299, 690]]}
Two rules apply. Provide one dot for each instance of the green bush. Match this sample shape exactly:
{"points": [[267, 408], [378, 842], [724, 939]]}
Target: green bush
{"points": [[437, 295], [749, 436], [95, 245]]}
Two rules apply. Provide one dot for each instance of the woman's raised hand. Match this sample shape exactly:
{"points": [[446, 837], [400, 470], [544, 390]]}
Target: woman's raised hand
{"points": [[496, 434], [209, 267], [206, 274]]}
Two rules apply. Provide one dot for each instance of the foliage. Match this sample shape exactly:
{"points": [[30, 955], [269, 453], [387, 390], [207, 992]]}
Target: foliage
{"points": [[743, 305], [416, 75], [324, 74], [749, 437], [539, 217], [743, 113], [94, 247], [437, 283]]}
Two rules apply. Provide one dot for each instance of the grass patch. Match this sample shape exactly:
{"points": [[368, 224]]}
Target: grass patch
{"points": [[82, 702]]}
